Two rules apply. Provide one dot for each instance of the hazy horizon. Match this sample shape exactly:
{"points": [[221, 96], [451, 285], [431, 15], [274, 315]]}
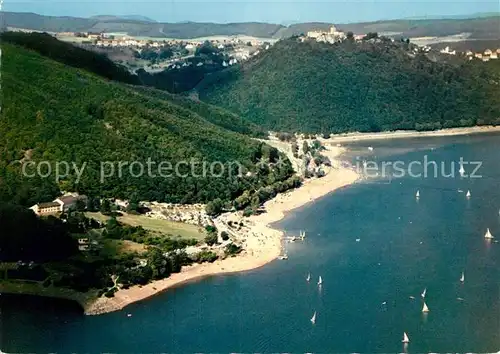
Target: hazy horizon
{"points": [[277, 12]]}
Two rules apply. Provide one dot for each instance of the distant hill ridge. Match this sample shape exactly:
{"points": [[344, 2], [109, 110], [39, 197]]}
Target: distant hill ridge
{"points": [[123, 17], [482, 27]]}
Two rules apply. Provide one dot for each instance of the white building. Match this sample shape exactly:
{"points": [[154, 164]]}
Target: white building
{"points": [[64, 203], [447, 50], [332, 36]]}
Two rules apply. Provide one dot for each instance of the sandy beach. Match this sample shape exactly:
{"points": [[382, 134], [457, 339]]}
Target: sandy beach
{"points": [[262, 244], [401, 134]]}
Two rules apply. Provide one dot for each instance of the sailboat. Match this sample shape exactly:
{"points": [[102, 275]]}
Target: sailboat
{"points": [[488, 234], [424, 292], [425, 308], [284, 257], [308, 277], [462, 278], [405, 338], [417, 195], [302, 235], [313, 319], [468, 194], [320, 280], [461, 170]]}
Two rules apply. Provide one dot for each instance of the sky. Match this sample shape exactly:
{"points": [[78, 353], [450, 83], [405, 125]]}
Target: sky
{"points": [[273, 11]]}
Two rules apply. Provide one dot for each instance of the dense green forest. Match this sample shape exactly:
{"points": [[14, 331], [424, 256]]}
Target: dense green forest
{"points": [[52, 112], [369, 86], [71, 55], [175, 80], [211, 113]]}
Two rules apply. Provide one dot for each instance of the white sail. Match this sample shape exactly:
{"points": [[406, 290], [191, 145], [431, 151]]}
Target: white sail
{"points": [[313, 319], [405, 338], [468, 194], [488, 234], [425, 308], [462, 278], [424, 292], [461, 170], [418, 194], [320, 280], [308, 277]]}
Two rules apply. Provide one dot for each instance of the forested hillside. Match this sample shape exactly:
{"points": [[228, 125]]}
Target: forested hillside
{"points": [[52, 112], [71, 55], [369, 86], [174, 80]]}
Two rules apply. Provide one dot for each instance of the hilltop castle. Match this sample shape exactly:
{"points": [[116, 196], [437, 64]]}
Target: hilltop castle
{"points": [[332, 36]]}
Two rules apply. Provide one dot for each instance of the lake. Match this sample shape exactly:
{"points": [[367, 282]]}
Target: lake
{"points": [[374, 244]]}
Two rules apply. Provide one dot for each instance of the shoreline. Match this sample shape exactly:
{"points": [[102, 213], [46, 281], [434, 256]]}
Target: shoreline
{"points": [[402, 134], [262, 244]]}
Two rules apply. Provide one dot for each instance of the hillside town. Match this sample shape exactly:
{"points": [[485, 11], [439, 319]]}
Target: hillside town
{"points": [[155, 55], [334, 36], [158, 54]]}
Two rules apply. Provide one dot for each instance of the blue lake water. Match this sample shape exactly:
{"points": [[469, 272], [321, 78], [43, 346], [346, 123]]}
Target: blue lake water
{"points": [[364, 305]]}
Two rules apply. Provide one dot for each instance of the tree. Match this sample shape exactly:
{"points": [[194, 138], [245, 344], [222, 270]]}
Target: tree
{"points": [[80, 205], [206, 49], [232, 249], [113, 229], [92, 204], [242, 201], [177, 260], [350, 36], [211, 238], [214, 207], [105, 207], [305, 147], [285, 136], [316, 144], [133, 205], [248, 212], [224, 235], [166, 53], [210, 229], [255, 204], [159, 264], [370, 35], [206, 256]]}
